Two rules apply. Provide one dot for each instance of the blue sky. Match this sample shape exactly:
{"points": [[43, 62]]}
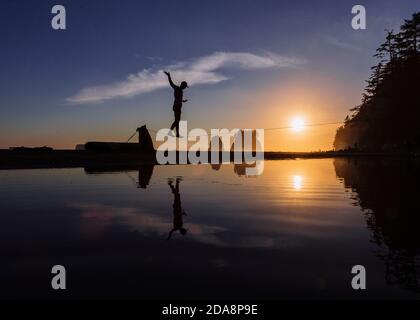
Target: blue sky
{"points": [[250, 63]]}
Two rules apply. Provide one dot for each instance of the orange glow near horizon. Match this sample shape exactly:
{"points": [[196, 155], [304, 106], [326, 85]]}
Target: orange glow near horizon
{"points": [[293, 106], [297, 105]]}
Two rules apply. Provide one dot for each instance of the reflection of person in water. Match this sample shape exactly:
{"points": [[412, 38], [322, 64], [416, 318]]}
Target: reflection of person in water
{"points": [[177, 209]]}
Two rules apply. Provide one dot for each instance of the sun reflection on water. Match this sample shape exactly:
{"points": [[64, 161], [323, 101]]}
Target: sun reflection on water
{"points": [[297, 182]]}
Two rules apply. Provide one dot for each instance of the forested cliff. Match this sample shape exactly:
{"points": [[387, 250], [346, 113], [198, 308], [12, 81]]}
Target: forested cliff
{"points": [[388, 118]]}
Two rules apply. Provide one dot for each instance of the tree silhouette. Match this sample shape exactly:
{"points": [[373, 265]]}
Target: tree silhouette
{"points": [[387, 118]]}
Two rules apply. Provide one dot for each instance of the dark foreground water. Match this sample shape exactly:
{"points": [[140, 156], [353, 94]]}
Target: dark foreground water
{"points": [[201, 232]]}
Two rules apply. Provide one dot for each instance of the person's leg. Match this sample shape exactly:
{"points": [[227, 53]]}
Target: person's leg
{"points": [[177, 129], [174, 124], [177, 119]]}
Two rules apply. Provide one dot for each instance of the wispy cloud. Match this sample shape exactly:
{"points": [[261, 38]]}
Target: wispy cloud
{"points": [[341, 44], [203, 70]]}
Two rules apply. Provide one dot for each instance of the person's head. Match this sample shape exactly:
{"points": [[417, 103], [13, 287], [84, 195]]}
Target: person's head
{"points": [[184, 85]]}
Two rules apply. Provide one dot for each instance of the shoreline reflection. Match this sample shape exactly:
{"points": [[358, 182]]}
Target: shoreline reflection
{"points": [[387, 192]]}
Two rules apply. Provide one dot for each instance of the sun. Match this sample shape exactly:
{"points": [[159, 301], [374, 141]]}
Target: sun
{"points": [[298, 124]]}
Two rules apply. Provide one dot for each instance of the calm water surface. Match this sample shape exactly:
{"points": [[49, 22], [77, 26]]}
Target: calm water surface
{"points": [[211, 232]]}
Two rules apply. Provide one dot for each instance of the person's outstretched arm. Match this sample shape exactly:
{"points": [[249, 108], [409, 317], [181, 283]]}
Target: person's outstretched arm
{"points": [[170, 79]]}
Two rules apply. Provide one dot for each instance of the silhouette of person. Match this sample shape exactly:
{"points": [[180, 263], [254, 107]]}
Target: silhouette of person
{"points": [[178, 101], [177, 210]]}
